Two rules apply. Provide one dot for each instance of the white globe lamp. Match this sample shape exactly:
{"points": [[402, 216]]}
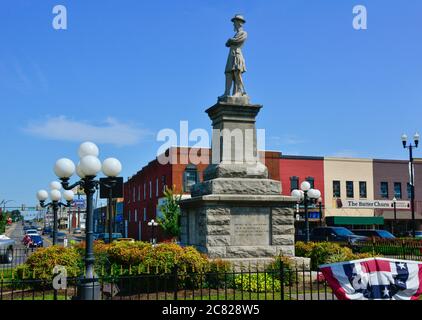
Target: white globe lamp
{"points": [[55, 195], [68, 195], [296, 194], [90, 165], [64, 168], [88, 149], [42, 195], [305, 186], [112, 167], [55, 185]]}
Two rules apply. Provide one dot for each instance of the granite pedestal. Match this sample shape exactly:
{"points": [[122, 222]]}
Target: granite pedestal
{"points": [[237, 212]]}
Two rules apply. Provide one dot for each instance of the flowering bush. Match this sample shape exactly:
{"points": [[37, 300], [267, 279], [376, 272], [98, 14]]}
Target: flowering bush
{"points": [[289, 269], [219, 273], [41, 263], [327, 252], [260, 282]]}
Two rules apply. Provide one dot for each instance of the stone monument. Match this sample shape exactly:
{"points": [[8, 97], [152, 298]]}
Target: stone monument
{"points": [[237, 212]]}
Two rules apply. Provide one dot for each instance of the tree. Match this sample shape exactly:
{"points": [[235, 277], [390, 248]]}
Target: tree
{"points": [[170, 222]]}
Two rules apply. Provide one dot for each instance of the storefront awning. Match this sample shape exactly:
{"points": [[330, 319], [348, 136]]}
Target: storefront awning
{"points": [[346, 221]]}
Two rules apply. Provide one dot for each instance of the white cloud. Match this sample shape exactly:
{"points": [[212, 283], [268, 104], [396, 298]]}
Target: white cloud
{"points": [[111, 131]]}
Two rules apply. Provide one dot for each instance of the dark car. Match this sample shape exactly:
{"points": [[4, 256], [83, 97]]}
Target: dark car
{"points": [[47, 230], [379, 234], [335, 234], [25, 228], [105, 237], [60, 235], [37, 242]]}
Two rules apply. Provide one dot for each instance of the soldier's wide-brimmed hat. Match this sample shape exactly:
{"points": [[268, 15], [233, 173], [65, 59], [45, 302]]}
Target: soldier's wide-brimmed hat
{"points": [[238, 17]]}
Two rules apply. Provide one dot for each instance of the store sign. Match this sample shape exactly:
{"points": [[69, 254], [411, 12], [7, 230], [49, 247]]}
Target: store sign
{"points": [[79, 203], [373, 204]]}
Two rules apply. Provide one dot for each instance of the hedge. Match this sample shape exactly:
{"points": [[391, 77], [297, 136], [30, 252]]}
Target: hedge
{"points": [[327, 252]]}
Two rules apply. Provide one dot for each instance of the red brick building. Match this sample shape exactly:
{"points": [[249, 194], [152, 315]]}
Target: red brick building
{"points": [[143, 190], [296, 169]]}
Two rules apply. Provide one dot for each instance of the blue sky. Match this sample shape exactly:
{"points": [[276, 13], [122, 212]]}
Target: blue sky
{"points": [[123, 70]]}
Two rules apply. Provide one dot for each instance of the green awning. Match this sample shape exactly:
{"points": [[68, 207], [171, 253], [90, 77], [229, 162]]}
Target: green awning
{"points": [[347, 221]]}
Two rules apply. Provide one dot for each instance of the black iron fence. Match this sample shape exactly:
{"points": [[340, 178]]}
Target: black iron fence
{"points": [[250, 283], [11, 258], [406, 249]]}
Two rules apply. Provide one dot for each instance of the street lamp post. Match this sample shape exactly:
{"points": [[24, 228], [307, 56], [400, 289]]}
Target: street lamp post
{"points": [[87, 170], [319, 201], [395, 215], [305, 194], [152, 224], [55, 204], [411, 146]]}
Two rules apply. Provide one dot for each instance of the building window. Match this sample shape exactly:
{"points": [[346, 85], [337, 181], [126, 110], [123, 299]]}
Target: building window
{"points": [[150, 189], [294, 183], [362, 190], [397, 190], [134, 194], [311, 181], [139, 193], [145, 214], [136, 215], [190, 177], [384, 190], [164, 183], [145, 190], [409, 190], [336, 189], [129, 216], [349, 189], [156, 187]]}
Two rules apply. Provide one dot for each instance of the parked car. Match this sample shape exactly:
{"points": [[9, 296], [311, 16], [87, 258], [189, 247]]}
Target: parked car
{"points": [[125, 240], [60, 235], [372, 233], [77, 231], [418, 234], [32, 232], [335, 234], [6, 249], [36, 242], [47, 230], [39, 228], [105, 237]]}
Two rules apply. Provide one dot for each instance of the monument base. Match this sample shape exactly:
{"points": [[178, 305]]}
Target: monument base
{"points": [[239, 226]]}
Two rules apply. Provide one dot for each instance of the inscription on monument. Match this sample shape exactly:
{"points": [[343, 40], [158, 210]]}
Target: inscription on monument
{"points": [[250, 229]]}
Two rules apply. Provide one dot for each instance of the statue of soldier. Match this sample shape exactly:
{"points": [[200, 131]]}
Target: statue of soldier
{"points": [[235, 62]]}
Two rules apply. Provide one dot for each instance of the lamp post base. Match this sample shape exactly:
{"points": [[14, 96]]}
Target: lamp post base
{"points": [[89, 289]]}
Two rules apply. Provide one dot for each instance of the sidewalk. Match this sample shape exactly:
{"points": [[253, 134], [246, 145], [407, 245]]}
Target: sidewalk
{"points": [[10, 230]]}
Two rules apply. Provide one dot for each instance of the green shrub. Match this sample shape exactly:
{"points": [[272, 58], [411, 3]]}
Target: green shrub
{"points": [[289, 270], [303, 249], [219, 274], [41, 263], [261, 282], [328, 252]]}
